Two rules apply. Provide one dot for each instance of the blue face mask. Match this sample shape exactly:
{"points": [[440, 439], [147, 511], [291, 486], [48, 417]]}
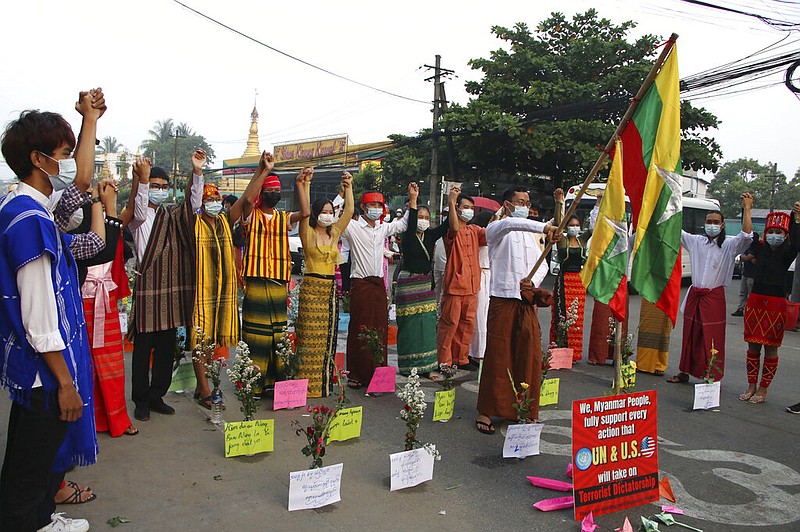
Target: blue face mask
{"points": [[157, 197], [213, 208], [67, 170], [520, 211], [775, 239], [374, 213], [713, 230]]}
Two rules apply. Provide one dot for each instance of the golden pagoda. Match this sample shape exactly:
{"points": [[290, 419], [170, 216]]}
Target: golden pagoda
{"points": [[252, 149]]}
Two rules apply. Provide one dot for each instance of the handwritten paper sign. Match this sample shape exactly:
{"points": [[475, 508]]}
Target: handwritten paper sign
{"points": [[346, 425], [549, 393], [249, 437], [315, 488], [444, 405], [290, 394], [706, 395], [123, 323], [183, 378], [522, 440], [383, 380], [410, 468], [561, 358]]}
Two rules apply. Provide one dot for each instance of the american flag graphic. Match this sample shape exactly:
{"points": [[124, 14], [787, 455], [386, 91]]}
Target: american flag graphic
{"points": [[648, 447]]}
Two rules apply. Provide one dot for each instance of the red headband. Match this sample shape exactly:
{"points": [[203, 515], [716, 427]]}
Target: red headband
{"points": [[371, 197], [272, 181], [777, 220]]}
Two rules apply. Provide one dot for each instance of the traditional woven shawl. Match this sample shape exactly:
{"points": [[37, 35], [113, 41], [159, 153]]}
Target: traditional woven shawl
{"points": [[216, 303], [164, 292]]}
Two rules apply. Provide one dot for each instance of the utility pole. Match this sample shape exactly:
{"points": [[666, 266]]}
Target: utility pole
{"points": [[175, 168], [772, 187], [439, 106]]}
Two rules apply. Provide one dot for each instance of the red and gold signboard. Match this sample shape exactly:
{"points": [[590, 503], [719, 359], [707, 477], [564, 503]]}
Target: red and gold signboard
{"points": [[614, 452]]}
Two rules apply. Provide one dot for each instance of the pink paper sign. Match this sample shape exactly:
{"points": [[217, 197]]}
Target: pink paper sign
{"points": [[561, 358], [290, 394], [550, 484], [383, 380]]}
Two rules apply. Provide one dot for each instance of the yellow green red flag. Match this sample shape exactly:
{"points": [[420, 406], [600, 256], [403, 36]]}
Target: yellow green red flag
{"points": [[604, 274], [652, 176]]}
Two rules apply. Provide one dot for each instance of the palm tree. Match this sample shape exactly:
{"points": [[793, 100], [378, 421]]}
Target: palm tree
{"points": [[184, 130], [110, 145]]}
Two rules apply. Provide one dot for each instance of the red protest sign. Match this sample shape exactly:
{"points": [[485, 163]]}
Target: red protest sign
{"points": [[614, 452]]}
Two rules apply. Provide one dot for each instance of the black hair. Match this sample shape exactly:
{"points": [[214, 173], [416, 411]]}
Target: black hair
{"points": [[466, 197], [316, 209], [34, 131], [425, 207], [230, 199], [159, 173], [508, 194], [721, 236]]}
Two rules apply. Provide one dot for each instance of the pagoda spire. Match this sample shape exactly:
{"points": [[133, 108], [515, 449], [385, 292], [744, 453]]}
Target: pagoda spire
{"points": [[252, 149]]}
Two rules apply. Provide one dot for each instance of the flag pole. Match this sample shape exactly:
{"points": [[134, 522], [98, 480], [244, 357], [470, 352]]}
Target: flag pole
{"points": [[617, 357], [648, 81]]}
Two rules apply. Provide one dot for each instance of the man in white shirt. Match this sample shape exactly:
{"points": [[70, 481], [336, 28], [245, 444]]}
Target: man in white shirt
{"points": [[514, 340], [369, 307], [163, 237], [704, 313]]}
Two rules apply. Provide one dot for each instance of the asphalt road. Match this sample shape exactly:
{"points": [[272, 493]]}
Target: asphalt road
{"points": [[732, 469]]}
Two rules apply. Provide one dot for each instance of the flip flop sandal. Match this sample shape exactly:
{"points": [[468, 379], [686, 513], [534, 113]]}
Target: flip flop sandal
{"points": [[757, 399], [131, 431], [658, 373], [354, 384], [746, 396], [77, 494], [484, 427]]}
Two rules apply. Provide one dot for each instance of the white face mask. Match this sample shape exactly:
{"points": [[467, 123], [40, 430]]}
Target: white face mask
{"points": [[573, 230], [157, 197], [325, 219], [713, 230], [67, 170], [374, 213], [423, 225], [213, 208], [775, 239], [467, 214], [75, 220], [520, 211]]}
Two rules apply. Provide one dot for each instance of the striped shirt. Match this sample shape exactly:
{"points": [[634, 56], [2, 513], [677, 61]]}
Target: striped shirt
{"points": [[267, 253]]}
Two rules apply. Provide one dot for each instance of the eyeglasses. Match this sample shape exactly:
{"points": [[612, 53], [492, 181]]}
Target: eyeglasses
{"points": [[154, 186], [521, 203]]}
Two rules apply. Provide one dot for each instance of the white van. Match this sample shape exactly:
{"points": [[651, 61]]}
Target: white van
{"points": [[694, 216]]}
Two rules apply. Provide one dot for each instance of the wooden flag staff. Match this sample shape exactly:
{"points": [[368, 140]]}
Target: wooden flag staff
{"points": [[623, 123]]}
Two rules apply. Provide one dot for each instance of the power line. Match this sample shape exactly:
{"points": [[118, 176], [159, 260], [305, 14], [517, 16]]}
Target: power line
{"points": [[290, 56]]}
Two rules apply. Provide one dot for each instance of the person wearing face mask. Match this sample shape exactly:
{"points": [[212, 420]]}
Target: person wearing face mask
{"points": [[46, 364], [369, 306], [165, 278], [268, 265], [514, 339], [415, 297], [216, 302], [462, 281], [765, 311], [318, 312], [704, 313], [568, 285]]}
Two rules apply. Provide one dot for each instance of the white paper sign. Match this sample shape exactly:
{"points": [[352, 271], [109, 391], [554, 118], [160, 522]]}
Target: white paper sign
{"points": [[447, 186], [706, 395], [123, 323], [410, 468], [315, 488], [522, 440]]}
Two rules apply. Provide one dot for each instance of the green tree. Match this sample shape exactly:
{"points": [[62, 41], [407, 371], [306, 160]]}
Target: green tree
{"points": [[110, 145], [550, 97], [769, 186], [409, 160], [160, 147]]}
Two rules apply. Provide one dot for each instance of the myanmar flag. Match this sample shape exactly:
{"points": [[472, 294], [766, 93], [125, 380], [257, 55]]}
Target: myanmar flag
{"points": [[604, 273], [652, 176]]}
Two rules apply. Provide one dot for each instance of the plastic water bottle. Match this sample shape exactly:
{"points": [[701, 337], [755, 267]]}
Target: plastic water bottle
{"points": [[216, 406]]}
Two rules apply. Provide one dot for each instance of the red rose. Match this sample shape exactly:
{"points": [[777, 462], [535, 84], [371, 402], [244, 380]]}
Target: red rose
{"points": [[310, 431], [519, 396], [407, 408], [239, 384]]}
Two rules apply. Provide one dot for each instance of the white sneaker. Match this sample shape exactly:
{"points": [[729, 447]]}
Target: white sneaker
{"points": [[59, 523]]}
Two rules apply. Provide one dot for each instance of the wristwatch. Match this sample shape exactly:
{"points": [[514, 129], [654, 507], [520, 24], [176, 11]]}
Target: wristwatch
{"points": [[96, 200]]}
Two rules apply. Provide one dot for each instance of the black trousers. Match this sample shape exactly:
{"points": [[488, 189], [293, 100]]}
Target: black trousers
{"points": [[27, 481], [144, 389]]}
